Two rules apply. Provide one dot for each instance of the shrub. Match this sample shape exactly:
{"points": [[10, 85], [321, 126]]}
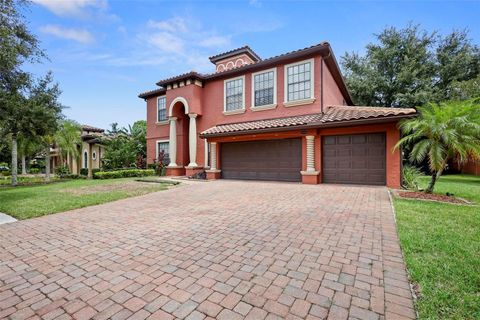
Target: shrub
{"points": [[411, 177], [73, 176], [124, 173], [34, 170], [84, 171], [62, 171]]}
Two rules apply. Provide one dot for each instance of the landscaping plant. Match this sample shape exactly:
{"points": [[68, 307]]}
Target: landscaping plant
{"points": [[411, 176], [449, 131]]}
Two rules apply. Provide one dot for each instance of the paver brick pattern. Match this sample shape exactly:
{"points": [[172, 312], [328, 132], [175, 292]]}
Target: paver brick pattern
{"points": [[223, 249]]}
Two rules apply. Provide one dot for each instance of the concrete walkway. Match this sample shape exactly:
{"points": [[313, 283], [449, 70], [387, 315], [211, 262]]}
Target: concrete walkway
{"points": [[216, 250], [5, 218]]}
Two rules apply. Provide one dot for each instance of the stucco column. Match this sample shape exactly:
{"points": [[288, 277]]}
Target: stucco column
{"points": [[172, 144], [90, 162], [310, 153], [192, 140], [213, 156]]}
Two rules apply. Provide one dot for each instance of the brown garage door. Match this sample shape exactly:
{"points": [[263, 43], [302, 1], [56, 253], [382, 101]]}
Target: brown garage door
{"points": [[357, 159], [279, 160]]}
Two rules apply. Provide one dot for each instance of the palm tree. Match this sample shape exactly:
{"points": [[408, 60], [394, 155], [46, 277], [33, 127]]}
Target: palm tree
{"points": [[67, 139], [27, 146], [443, 132]]}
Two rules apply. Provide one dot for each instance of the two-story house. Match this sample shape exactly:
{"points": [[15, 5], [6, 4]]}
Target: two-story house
{"points": [[285, 118]]}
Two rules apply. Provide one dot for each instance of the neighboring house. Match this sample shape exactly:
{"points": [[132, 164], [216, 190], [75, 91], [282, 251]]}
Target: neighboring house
{"points": [[286, 118], [472, 166], [91, 152]]}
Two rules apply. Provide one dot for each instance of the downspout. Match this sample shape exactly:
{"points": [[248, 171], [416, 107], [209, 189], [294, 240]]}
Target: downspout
{"points": [[321, 74], [321, 86]]}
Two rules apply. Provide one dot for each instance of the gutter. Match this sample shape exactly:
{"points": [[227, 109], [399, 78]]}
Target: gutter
{"points": [[314, 125]]}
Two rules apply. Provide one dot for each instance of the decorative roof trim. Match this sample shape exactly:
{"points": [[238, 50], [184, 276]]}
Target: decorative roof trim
{"points": [[242, 50]]}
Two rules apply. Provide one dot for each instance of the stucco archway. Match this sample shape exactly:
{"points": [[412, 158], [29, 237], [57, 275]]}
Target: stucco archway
{"points": [[174, 102]]}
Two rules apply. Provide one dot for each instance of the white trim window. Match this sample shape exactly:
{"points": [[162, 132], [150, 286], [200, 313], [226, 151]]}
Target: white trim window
{"points": [[299, 81], [163, 145], [264, 88], [94, 155], [234, 94], [161, 108]]}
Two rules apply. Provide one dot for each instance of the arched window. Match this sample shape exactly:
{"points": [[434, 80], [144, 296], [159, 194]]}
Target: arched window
{"points": [[85, 159]]}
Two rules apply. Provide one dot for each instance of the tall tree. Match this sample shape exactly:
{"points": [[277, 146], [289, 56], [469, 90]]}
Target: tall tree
{"points": [[457, 61], [409, 67], [44, 113], [23, 108]]}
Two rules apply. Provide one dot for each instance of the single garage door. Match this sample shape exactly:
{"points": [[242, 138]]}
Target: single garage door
{"points": [[356, 159], [279, 160]]}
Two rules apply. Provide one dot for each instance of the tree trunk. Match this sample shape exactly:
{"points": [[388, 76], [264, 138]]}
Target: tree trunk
{"points": [[47, 164], [14, 160], [434, 179], [24, 164]]}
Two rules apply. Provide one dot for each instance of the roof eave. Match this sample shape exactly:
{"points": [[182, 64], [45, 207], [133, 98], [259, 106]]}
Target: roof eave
{"points": [[146, 95]]}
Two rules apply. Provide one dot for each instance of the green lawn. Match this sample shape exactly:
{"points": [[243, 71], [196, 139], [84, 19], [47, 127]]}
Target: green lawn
{"points": [[441, 244], [32, 201]]}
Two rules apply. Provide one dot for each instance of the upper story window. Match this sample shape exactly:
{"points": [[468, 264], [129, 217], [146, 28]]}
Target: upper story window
{"points": [[264, 88], [234, 94], [161, 108], [299, 81]]}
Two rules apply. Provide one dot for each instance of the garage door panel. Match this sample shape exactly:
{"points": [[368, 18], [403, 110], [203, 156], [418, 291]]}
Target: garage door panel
{"points": [[329, 140], [359, 139], [355, 159], [344, 140], [360, 164], [262, 160]]}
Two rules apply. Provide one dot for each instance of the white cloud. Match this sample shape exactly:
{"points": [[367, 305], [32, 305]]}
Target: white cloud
{"points": [[215, 41], [167, 42], [175, 24], [78, 35], [72, 7]]}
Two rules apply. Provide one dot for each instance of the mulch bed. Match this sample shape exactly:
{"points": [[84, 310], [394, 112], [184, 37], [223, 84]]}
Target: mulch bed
{"points": [[430, 196]]}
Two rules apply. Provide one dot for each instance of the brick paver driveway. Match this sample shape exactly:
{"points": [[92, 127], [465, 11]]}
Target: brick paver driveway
{"points": [[223, 249]]}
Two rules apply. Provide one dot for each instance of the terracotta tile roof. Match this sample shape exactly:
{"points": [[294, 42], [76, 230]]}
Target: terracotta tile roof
{"points": [[185, 76], [86, 127], [150, 93], [333, 114], [245, 49], [264, 124], [344, 113]]}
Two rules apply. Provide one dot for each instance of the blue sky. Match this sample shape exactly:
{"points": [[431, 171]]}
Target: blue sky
{"points": [[104, 52]]}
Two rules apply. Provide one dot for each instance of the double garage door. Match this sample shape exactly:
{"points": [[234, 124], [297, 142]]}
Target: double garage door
{"points": [[349, 159]]}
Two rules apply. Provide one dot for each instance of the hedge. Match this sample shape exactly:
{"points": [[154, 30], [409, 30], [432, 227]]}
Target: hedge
{"points": [[123, 173]]}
